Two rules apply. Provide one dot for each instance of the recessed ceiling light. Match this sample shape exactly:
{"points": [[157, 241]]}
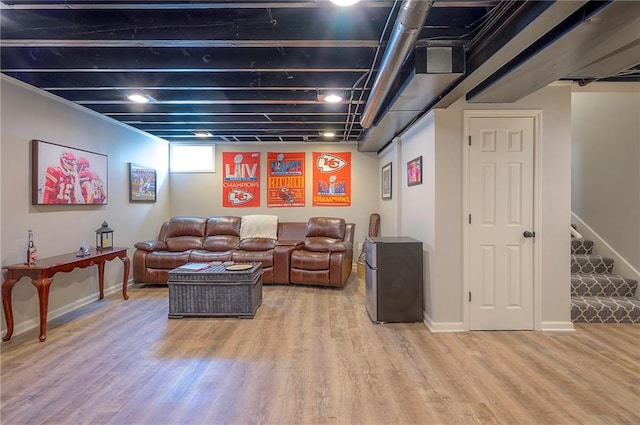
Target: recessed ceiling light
{"points": [[344, 2], [332, 98], [202, 134], [138, 98], [329, 134]]}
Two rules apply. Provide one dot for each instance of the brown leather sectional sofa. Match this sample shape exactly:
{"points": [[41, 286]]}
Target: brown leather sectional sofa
{"points": [[319, 252]]}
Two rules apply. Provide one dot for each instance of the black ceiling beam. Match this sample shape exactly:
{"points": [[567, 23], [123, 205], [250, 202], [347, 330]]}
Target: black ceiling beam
{"points": [[195, 96], [222, 108], [222, 119], [240, 128], [215, 80], [182, 5], [213, 24], [182, 60]]}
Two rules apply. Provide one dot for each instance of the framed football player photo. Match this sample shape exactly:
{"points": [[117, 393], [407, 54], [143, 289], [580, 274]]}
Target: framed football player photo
{"points": [[142, 183], [62, 175]]}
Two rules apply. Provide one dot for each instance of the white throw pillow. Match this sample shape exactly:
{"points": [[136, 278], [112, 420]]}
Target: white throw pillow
{"points": [[259, 226]]}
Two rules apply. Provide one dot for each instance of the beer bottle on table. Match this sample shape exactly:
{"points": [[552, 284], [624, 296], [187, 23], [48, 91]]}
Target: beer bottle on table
{"points": [[32, 252]]}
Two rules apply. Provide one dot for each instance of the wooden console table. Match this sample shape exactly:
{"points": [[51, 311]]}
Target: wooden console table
{"points": [[42, 273]]}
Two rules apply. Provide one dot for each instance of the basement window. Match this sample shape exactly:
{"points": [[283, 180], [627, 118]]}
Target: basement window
{"points": [[192, 158]]}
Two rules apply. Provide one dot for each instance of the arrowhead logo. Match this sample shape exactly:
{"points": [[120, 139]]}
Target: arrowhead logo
{"points": [[239, 197], [328, 163]]}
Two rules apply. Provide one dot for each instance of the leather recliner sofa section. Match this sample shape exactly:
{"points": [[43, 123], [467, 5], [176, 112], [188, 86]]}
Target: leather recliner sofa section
{"points": [[185, 239], [326, 254]]}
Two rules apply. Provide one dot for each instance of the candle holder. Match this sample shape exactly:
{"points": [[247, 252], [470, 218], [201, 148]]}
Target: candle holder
{"points": [[104, 237]]}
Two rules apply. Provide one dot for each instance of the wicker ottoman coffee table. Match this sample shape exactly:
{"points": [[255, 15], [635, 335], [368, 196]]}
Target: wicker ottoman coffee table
{"points": [[215, 290]]}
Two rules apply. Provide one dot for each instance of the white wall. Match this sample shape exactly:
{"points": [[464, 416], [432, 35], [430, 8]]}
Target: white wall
{"points": [[389, 208], [606, 164], [27, 113], [201, 193], [432, 212]]}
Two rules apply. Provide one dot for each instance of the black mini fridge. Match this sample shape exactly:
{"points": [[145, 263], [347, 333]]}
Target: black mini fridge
{"points": [[393, 279]]}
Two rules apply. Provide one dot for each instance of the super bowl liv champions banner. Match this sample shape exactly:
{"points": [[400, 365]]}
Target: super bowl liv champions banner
{"points": [[332, 179], [285, 179], [241, 179]]}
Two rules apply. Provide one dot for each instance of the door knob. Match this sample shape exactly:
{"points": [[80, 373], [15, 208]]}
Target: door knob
{"points": [[528, 234]]}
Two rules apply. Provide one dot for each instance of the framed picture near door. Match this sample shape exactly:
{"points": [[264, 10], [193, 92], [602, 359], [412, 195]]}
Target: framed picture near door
{"points": [[386, 181], [414, 171]]}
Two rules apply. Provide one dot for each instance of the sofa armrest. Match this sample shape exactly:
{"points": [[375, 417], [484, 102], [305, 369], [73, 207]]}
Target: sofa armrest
{"points": [[282, 261], [325, 244], [151, 246], [340, 247]]}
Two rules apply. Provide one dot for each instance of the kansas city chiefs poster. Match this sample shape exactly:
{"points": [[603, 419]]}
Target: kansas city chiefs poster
{"points": [[241, 179], [332, 179]]}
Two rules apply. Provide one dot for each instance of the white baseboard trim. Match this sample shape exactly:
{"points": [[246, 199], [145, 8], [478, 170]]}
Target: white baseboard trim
{"points": [[58, 312], [438, 327], [557, 327]]}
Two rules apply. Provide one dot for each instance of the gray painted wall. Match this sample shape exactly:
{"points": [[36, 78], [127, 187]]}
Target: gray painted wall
{"points": [[28, 113], [432, 212], [606, 164], [201, 193], [31, 114]]}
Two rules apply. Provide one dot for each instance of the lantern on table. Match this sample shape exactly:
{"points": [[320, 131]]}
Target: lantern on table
{"points": [[104, 237]]}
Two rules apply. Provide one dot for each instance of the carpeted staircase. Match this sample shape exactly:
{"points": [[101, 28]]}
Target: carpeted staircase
{"points": [[597, 294]]}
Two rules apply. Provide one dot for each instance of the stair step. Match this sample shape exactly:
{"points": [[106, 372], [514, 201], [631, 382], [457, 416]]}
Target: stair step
{"points": [[607, 285], [605, 309], [591, 263], [581, 246]]}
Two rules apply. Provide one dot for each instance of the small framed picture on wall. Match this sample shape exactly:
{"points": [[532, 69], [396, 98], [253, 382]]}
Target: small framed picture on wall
{"points": [[142, 183], [386, 181], [414, 171]]}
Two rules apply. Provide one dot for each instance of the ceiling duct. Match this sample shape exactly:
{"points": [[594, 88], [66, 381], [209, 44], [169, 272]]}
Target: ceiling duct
{"points": [[434, 68], [408, 25]]}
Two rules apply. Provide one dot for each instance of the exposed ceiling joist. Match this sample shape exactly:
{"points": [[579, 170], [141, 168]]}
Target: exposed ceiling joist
{"points": [[259, 71]]}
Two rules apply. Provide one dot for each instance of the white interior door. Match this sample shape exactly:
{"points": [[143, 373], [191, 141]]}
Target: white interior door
{"points": [[501, 211]]}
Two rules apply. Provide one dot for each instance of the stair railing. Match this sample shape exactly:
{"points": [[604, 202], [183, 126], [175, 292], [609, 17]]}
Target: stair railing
{"points": [[575, 233]]}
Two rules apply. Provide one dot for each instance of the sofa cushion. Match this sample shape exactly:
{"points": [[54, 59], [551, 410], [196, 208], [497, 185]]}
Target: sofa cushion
{"points": [[186, 226], [185, 233], [222, 234], [203, 256], [324, 244], [257, 244], [183, 243], [259, 226], [223, 225], [264, 257], [166, 259], [309, 260], [326, 226], [221, 243]]}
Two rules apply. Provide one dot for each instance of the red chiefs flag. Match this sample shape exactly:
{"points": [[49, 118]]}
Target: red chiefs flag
{"points": [[241, 179], [332, 179]]}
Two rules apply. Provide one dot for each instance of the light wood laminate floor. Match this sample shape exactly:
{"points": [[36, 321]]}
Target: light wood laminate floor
{"points": [[310, 356]]}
